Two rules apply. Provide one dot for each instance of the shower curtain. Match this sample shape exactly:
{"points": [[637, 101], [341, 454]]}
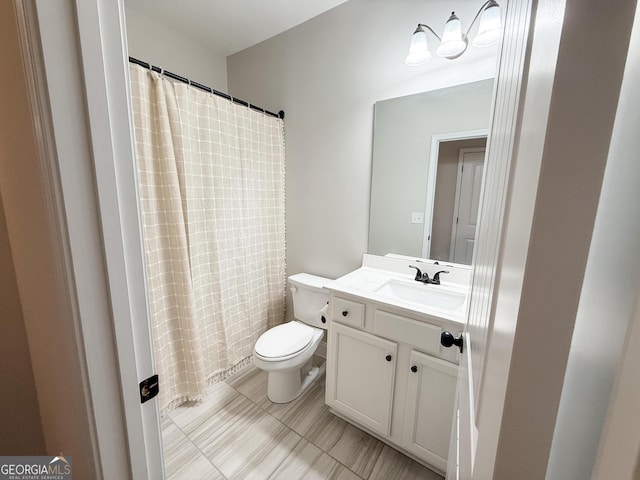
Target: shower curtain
{"points": [[211, 185]]}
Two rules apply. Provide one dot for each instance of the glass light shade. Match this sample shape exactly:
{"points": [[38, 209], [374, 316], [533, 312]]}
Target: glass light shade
{"points": [[453, 44], [490, 27], [418, 51]]}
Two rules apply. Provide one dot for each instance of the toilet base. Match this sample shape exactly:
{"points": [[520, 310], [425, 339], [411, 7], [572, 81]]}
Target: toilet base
{"points": [[286, 386]]}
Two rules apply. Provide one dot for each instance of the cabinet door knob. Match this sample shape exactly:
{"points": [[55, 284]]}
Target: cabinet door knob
{"points": [[414, 369], [388, 358], [323, 319], [345, 313]]}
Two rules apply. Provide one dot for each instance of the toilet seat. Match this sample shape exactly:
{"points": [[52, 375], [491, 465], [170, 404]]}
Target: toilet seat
{"points": [[284, 341]]}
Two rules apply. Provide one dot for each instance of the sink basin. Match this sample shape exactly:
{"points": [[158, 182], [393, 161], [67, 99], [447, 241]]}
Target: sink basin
{"points": [[427, 295]]}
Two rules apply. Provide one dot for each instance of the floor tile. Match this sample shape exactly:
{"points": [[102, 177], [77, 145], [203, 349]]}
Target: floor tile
{"points": [[252, 383], [237, 433], [182, 460], [393, 464], [189, 415], [243, 441], [308, 462], [303, 412], [349, 445]]}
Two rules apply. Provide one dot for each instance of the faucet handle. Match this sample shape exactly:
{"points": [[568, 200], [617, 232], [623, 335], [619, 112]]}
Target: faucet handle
{"points": [[436, 278], [421, 277], [418, 273]]}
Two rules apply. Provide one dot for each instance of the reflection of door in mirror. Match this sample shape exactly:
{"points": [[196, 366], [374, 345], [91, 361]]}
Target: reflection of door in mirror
{"points": [[408, 132], [457, 195], [468, 187]]}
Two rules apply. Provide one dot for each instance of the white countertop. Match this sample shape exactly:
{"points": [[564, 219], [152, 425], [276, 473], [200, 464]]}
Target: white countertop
{"points": [[366, 281]]}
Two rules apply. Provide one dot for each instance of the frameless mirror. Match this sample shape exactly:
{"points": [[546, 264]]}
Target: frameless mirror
{"points": [[428, 157]]}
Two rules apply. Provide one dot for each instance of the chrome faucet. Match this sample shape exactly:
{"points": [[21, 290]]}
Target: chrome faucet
{"points": [[424, 277]]}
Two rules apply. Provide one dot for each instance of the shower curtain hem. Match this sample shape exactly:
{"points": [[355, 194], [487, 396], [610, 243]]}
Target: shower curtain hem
{"points": [[216, 377]]}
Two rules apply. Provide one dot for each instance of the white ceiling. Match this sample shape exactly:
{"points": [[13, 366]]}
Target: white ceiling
{"points": [[228, 26]]}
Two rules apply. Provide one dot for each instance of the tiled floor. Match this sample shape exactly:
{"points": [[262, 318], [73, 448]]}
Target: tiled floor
{"points": [[237, 433]]}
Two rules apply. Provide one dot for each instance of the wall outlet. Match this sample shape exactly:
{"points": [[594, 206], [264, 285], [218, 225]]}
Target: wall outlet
{"points": [[417, 217]]}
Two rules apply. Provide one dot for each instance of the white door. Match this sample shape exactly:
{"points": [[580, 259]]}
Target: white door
{"points": [[360, 376], [467, 204], [464, 431], [469, 458]]}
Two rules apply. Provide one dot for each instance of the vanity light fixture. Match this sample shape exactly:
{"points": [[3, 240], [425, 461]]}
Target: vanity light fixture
{"points": [[453, 42]]}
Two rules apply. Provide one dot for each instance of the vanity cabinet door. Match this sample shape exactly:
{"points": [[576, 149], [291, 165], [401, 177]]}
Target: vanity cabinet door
{"points": [[360, 376], [429, 410]]}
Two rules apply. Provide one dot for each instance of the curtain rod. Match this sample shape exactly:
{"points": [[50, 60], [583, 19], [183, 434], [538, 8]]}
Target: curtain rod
{"points": [[172, 75]]}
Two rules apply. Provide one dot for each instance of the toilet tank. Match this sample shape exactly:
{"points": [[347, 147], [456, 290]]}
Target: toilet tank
{"points": [[309, 298]]}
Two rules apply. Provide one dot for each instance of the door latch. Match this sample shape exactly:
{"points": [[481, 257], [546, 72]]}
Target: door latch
{"points": [[149, 388]]}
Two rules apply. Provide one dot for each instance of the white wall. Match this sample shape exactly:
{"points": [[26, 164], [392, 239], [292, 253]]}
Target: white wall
{"points": [[327, 74], [152, 42], [607, 301], [619, 451]]}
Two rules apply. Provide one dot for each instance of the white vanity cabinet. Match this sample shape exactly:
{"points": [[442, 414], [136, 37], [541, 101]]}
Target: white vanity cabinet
{"points": [[388, 373]]}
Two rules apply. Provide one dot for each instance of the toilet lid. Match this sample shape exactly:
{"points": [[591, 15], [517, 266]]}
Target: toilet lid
{"points": [[284, 340]]}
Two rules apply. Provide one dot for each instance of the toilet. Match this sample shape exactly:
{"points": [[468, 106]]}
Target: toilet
{"points": [[285, 352]]}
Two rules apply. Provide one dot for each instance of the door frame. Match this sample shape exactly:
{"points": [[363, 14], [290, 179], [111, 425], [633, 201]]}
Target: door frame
{"points": [[106, 74], [431, 178], [541, 236], [74, 55]]}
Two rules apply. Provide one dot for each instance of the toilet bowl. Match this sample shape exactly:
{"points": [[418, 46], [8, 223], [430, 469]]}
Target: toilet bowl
{"points": [[286, 352]]}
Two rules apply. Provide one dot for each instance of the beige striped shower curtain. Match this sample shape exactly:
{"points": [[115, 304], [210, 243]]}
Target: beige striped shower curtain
{"points": [[211, 185]]}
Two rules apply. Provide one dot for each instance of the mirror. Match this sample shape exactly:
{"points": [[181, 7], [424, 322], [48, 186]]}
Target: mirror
{"points": [[419, 186]]}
